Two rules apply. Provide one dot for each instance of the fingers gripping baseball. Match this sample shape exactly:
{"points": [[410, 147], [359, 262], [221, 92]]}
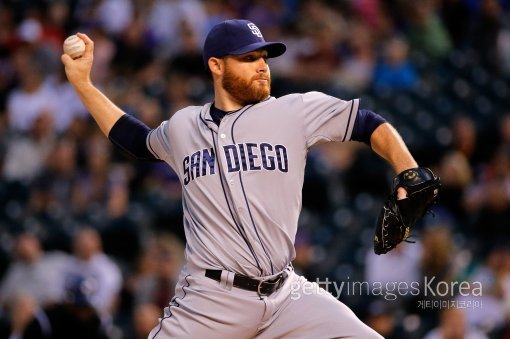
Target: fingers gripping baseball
{"points": [[78, 70]]}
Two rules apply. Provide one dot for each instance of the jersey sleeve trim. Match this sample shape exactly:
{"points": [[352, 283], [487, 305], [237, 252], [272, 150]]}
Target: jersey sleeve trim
{"points": [[352, 117], [158, 142]]}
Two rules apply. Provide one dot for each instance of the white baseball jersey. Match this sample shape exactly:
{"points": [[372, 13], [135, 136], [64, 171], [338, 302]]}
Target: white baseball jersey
{"points": [[242, 180]]}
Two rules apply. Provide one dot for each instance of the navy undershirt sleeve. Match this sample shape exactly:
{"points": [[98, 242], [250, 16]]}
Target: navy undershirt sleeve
{"points": [[130, 135], [365, 124]]}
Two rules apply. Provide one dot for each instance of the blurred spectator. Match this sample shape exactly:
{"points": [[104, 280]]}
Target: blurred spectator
{"points": [[402, 264], [504, 50], [166, 18], [117, 23], [456, 176], [177, 92], [145, 318], [51, 195], [394, 70], [26, 153], [73, 317], [453, 325], [96, 186], [356, 71], [33, 272], [321, 57], [40, 42], [315, 14], [504, 331], [32, 98], [441, 262], [488, 200], [188, 60], [92, 264], [485, 34], [426, 32], [156, 286], [492, 275], [323, 29], [464, 139], [438, 253], [23, 310], [370, 12], [68, 106], [55, 23], [216, 11], [104, 51], [268, 14], [133, 49]]}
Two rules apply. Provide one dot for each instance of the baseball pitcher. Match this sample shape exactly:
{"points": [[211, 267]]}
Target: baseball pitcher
{"points": [[241, 160]]}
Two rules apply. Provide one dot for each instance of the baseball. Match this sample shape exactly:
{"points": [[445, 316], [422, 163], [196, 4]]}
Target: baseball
{"points": [[74, 46]]}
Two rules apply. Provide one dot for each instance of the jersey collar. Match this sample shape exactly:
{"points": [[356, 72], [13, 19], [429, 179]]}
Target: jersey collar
{"points": [[205, 113]]}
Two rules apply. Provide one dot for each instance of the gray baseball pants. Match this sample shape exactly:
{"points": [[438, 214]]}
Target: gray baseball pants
{"points": [[205, 308]]}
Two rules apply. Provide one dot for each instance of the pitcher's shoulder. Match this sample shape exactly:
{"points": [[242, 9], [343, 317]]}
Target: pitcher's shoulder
{"points": [[185, 115], [292, 97], [188, 112]]}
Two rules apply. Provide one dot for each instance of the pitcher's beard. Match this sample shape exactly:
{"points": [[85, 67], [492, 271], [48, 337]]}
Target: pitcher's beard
{"points": [[246, 92]]}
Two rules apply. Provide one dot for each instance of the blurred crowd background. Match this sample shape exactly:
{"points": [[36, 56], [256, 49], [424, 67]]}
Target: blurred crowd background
{"points": [[95, 240]]}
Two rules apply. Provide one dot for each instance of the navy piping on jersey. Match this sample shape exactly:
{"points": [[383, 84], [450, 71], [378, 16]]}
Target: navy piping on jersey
{"points": [[204, 119], [169, 306], [246, 198], [348, 122], [253, 223], [239, 226]]}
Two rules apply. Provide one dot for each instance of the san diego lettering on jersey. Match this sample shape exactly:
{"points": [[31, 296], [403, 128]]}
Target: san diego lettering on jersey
{"points": [[239, 157]]}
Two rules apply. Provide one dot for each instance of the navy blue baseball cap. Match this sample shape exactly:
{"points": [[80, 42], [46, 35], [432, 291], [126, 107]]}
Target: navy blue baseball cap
{"points": [[234, 37]]}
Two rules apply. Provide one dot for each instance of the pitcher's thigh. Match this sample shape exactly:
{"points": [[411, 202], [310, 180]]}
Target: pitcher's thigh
{"points": [[316, 315]]}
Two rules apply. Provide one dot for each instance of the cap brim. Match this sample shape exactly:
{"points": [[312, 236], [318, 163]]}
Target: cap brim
{"points": [[274, 49]]}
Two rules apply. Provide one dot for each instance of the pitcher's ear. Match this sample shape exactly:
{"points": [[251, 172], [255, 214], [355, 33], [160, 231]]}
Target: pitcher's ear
{"points": [[216, 65]]}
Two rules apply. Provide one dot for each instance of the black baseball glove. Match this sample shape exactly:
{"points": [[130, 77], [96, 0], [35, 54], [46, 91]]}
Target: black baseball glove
{"points": [[397, 216]]}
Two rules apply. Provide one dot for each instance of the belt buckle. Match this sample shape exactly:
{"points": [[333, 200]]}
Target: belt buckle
{"points": [[277, 283], [259, 286]]}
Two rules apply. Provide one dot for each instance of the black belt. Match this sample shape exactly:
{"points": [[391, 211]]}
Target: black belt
{"points": [[262, 287]]}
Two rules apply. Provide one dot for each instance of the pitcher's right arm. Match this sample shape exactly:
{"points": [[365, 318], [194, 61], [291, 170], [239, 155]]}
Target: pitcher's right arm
{"points": [[102, 109], [123, 130]]}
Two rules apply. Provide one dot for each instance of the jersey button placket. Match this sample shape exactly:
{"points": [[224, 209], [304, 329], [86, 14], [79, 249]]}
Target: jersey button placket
{"points": [[231, 177], [223, 125], [222, 141]]}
